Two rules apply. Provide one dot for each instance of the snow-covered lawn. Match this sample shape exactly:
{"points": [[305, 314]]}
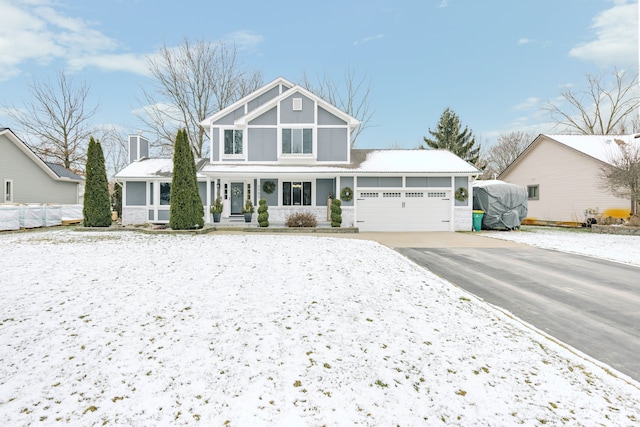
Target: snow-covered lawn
{"points": [[624, 249], [121, 328]]}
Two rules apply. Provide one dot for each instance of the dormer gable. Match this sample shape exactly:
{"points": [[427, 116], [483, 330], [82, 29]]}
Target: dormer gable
{"points": [[248, 103], [280, 123]]}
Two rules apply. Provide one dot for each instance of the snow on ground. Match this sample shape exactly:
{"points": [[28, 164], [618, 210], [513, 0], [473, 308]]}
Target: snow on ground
{"points": [[619, 248], [122, 328]]}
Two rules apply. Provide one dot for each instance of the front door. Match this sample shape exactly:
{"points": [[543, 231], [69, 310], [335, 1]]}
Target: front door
{"points": [[237, 198]]}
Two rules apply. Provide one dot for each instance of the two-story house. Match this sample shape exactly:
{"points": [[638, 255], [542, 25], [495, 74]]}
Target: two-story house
{"points": [[290, 147]]}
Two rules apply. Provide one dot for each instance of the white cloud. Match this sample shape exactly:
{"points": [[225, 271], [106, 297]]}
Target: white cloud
{"points": [[444, 3], [111, 62], [368, 39], [244, 40], [528, 104], [525, 41], [616, 37], [34, 30]]}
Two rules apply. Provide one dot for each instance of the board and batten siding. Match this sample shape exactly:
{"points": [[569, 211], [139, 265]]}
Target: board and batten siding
{"points": [[569, 183], [31, 184]]}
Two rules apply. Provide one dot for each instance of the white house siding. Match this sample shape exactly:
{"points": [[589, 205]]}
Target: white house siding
{"points": [[569, 183]]}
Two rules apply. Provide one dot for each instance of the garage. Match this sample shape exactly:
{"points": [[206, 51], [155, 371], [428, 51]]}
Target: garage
{"points": [[385, 209]]}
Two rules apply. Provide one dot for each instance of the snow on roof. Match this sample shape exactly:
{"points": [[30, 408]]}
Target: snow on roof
{"points": [[432, 161], [147, 168], [601, 147], [363, 161]]}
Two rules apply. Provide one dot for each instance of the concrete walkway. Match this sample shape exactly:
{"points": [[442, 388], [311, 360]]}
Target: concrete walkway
{"points": [[435, 239]]}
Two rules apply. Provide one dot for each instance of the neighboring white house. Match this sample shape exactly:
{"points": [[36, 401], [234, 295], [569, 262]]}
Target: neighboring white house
{"points": [[26, 178], [562, 174], [290, 147]]}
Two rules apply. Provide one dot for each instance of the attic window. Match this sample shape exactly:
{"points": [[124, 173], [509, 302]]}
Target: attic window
{"points": [[297, 104]]}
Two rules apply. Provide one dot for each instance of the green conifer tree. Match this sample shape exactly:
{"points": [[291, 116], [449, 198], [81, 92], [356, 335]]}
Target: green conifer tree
{"points": [[186, 211], [96, 211], [448, 135], [336, 213]]}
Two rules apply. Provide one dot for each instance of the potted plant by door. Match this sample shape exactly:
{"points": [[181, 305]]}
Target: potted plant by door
{"points": [[248, 210], [216, 209]]}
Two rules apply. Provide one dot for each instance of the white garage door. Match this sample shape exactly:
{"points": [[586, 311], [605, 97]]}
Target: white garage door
{"points": [[421, 210]]}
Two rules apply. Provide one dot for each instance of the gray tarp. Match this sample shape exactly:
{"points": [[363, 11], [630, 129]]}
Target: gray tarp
{"points": [[504, 204]]}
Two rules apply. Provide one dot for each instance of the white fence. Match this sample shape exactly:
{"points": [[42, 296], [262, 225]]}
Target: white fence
{"points": [[15, 217]]}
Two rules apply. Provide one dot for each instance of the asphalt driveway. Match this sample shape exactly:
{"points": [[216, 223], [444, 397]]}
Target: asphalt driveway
{"points": [[590, 304]]}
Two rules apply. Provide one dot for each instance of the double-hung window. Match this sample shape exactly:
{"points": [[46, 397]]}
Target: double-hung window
{"points": [[232, 141], [296, 193], [297, 141]]}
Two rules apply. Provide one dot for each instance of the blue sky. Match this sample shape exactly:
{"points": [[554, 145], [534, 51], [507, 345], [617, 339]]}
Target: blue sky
{"points": [[493, 62]]}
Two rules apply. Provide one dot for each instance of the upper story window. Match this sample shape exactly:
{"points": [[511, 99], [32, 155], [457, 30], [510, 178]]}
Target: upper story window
{"points": [[533, 192], [297, 141], [232, 141]]}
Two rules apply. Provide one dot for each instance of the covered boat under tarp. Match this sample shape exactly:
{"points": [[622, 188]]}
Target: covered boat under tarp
{"points": [[504, 204]]}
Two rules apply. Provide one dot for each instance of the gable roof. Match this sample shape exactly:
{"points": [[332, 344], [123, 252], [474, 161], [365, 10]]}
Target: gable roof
{"points": [[599, 147], [352, 121], [56, 172], [264, 89], [293, 88]]}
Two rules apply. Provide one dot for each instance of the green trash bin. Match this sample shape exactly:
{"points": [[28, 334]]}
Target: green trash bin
{"points": [[477, 220]]}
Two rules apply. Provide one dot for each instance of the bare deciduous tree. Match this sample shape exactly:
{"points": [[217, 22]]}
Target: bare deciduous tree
{"points": [[114, 142], [192, 82], [352, 97], [602, 109], [622, 175], [507, 148], [56, 121]]}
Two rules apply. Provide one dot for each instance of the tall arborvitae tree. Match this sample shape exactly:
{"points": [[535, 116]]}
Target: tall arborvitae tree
{"points": [[186, 210], [448, 135], [96, 211]]}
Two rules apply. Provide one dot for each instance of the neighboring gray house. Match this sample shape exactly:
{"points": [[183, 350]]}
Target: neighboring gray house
{"points": [[290, 147], [26, 178]]}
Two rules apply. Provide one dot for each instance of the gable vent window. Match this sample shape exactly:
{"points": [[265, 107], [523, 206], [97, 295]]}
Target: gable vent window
{"points": [[297, 104]]}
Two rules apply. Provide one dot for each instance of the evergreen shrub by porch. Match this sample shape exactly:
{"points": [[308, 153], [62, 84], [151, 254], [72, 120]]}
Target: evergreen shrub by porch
{"points": [[116, 199], [301, 219], [263, 213], [186, 211], [336, 213], [96, 210]]}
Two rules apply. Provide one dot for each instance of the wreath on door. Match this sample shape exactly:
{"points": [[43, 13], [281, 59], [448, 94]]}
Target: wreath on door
{"points": [[462, 194], [346, 194], [269, 187]]}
